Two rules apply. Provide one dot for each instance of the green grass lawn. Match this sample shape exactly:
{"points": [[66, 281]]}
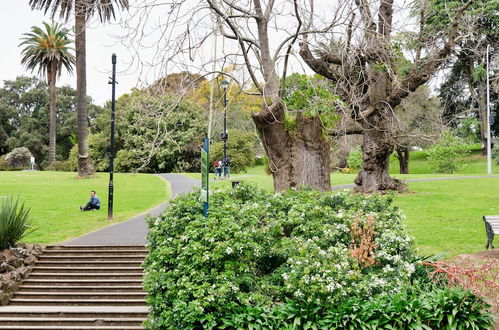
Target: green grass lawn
{"points": [[55, 197], [446, 216], [474, 164]]}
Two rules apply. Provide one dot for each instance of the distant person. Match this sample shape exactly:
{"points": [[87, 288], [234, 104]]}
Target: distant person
{"points": [[93, 204], [226, 165], [218, 168]]}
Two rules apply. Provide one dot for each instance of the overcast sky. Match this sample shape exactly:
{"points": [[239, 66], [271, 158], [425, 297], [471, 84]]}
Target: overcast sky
{"points": [[16, 18]]}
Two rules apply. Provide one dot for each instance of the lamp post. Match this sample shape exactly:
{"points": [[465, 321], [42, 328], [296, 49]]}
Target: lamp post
{"points": [[225, 135], [489, 149], [111, 156]]}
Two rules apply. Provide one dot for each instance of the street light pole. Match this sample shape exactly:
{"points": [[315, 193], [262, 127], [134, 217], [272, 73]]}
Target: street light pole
{"points": [[111, 156], [225, 135], [225, 123], [489, 143]]}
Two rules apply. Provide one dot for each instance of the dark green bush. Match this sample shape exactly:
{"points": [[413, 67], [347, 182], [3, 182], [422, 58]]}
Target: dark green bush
{"points": [[14, 222], [59, 165], [429, 307], [4, 166], [19, 157], [280, 261]]}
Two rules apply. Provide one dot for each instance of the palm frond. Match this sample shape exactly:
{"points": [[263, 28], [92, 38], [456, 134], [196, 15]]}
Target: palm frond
{"points": [[104, 8], [47, 47]]}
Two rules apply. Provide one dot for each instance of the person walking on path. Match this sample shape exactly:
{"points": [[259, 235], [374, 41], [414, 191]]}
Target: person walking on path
{"points": [[93, 204], [226, 166], [218, 168]]}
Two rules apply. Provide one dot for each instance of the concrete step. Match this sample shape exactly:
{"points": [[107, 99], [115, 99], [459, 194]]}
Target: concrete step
{"points": [[111, 263], [69, 327], [96, 312], [73, 321], [76, 302], [80, 295], [81, 288], [61, 269], [96, 247], [83, 276], [86, 257], [79, 282], [77, 252]]}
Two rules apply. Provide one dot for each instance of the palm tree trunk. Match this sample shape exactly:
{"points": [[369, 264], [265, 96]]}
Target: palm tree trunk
{"points": [[85, 166], [51, 75]]}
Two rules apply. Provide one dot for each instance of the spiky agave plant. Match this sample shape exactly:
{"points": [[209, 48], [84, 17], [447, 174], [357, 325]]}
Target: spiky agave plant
{"points": [[15, 222]]}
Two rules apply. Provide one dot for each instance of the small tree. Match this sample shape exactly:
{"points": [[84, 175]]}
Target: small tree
{"points": [[354, 160], [241, 150], [19, 157], [447, 155], [419, 124]]}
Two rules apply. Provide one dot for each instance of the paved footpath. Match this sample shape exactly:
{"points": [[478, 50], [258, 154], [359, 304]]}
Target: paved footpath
{"points": [[134, 231]]}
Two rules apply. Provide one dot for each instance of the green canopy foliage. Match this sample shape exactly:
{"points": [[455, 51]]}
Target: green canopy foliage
{"points": [[154, 133], [24, 117]]}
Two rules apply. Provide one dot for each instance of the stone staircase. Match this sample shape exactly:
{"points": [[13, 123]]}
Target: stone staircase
{"points": [[81, 287]]}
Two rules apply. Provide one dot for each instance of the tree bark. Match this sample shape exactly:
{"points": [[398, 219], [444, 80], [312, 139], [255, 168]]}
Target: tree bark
{"points": [[403, 157], [377, 146], [51, 75], [299, 157], [85, 166]]}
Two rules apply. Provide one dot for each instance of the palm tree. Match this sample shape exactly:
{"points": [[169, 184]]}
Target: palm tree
{"points": [[48, 50], [83, 9]]}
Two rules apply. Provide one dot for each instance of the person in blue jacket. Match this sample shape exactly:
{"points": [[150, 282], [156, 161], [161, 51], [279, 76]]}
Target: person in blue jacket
{"points": [[93, 204]]}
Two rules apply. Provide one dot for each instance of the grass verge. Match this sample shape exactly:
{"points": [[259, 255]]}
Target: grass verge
{"points": [[55, 197]]}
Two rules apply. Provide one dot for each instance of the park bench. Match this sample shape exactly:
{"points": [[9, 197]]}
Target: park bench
{"points": [[491, 228]]}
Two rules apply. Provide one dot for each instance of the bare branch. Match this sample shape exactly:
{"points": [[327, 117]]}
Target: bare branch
{"points": [[422, 72], [286, 57], [241, 42], [239, 9], [318, 65]]}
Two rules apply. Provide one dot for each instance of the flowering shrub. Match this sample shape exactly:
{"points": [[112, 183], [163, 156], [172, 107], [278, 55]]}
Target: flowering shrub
{"points": [[262, 254]]}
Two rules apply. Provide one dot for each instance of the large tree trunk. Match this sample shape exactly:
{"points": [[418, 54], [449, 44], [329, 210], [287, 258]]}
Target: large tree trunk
{"points": [[299, 157], [85, 166], [51, 75], [403, 157], [377, 146], [482, 115]]}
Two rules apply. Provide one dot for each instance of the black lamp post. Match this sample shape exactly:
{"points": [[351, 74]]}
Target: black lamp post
{"points": [[225, 135], [111, 156]]}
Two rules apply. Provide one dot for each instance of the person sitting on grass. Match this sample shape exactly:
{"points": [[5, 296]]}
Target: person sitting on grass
{"points": [[93, 204]]}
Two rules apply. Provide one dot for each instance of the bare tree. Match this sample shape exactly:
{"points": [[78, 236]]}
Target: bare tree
{"points": [[259, 36], [367, 69], [419, 124]]}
